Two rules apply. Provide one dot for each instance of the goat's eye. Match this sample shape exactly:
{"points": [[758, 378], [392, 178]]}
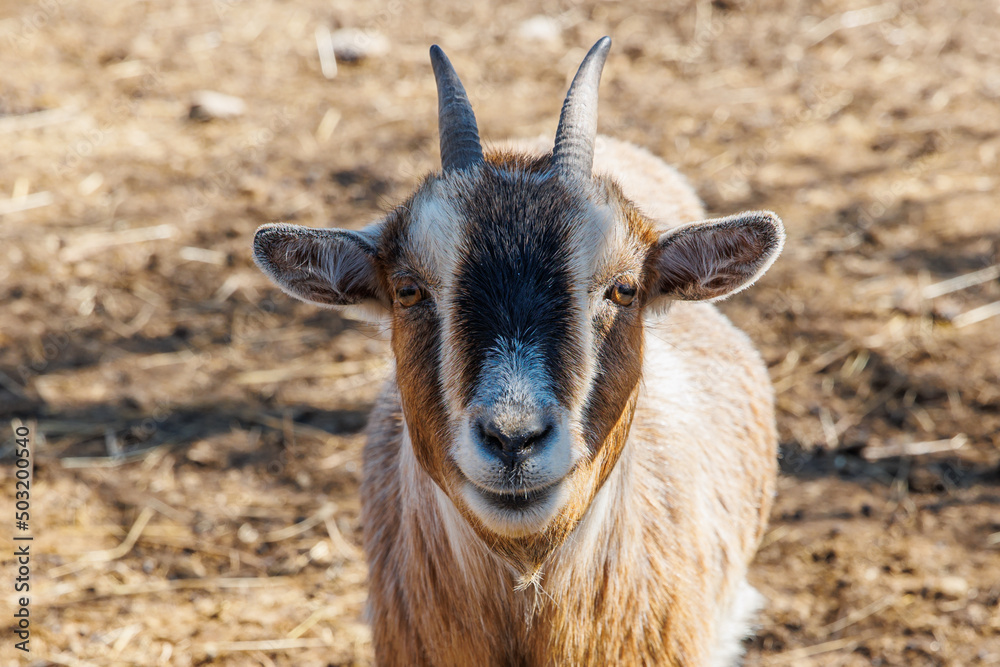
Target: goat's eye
{"points": [[622, 293], [408, 293]]}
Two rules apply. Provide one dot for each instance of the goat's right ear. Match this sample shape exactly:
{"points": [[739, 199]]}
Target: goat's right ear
{"points": [[328, 267], [712, 259]]}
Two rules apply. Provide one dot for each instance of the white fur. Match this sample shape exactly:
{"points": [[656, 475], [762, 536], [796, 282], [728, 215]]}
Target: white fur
{"points": [[435, 234], [735, 623]]}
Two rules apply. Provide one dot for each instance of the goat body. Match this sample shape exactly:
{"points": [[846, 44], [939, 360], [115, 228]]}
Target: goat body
{"points": [[573, 462], [655, 571]]}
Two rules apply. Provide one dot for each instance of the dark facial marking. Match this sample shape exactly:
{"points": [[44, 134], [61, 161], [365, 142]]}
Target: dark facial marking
{"points": [[513, 281]]}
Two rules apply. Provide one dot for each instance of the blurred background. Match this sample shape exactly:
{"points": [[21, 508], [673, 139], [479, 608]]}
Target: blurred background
{"points": [[198, 433]]}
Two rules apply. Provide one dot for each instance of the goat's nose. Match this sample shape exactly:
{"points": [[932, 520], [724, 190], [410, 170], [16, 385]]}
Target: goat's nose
{"points": [[512, 442]]}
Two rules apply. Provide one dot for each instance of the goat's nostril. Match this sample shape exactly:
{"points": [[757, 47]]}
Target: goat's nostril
{"points": [[534, 438], [508, 441], [491, 437]]}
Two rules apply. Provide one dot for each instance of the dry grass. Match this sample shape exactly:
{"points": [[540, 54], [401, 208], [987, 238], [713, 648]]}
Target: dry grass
{"points": [[198, 434]]}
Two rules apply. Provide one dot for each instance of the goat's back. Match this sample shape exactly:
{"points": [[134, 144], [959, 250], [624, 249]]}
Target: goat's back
{"points": [[659, 190]]}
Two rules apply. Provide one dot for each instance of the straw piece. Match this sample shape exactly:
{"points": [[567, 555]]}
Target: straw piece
{"points": [[269, 645], [204, 255], [817, 364], [279, 424], [25, 203], [977, 315], [108, 554], [858, 615], [65, 599], [165, 359], [109, 461], [11, 385], [961, 282], [327, 56], [855, 417], [915, 448], [339, 369], [816, 649], [67, 660], [331, 118], [89, 244], [850, 19], [291, 531], [36, 119], [307, 624]]}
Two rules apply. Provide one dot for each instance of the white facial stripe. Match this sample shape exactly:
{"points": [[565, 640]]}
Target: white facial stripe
{"points": [[591, 243], [464, 545], [470, 553], [437, 232], [411, 474], [616, 247]]}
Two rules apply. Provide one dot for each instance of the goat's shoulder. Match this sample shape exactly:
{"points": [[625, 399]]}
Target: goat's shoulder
{"points": [[704, 381], [698, 341], [705, 421]]}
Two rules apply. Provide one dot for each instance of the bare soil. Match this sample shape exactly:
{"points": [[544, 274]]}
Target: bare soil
{"points": [[197, 433]]}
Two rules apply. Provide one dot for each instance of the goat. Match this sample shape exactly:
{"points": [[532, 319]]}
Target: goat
{"points": [[573, 461]]}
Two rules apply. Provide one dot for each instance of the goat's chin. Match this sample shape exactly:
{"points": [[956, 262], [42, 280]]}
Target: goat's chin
{"points": [[516, 515]]}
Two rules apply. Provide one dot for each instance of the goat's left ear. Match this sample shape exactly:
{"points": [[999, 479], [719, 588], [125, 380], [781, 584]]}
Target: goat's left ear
{"points": [[712, 259], [328, 267]]}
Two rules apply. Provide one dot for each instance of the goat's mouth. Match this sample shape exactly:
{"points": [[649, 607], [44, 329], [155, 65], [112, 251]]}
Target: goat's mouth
{"points": [[516, 512], [517, 500]]}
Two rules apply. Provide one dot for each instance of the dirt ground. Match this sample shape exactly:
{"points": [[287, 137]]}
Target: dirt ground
{"points": [[197, 433]]}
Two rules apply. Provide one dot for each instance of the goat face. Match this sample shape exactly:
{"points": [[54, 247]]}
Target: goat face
{"points": [[515, 289], [515, 267]]}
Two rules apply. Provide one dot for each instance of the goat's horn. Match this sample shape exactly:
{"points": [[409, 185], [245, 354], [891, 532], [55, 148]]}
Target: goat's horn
{"points": [[573, 155], [456, 122]]}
